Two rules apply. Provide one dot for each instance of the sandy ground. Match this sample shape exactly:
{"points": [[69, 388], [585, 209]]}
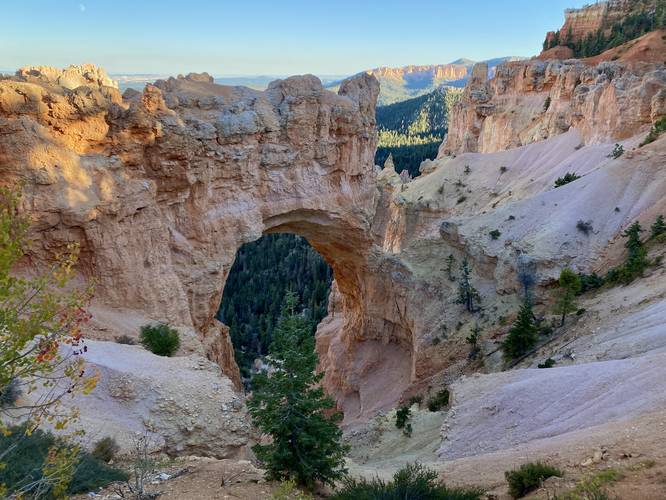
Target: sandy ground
{"points": [[609, 396]]}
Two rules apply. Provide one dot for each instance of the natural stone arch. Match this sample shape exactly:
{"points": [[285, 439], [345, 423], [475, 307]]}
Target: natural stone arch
{"points": [[161, 188]]}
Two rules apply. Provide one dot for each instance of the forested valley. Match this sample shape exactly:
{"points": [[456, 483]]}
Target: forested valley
{"points": [[262, 274], [412, 130]]}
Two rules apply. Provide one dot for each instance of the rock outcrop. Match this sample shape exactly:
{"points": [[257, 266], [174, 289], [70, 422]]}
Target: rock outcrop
{"points": [[598, 16], [530, 101], [185, 404], [450, 72], [160, 188]]}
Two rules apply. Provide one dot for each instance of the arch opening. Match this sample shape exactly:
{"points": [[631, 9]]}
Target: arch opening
{"points": [[262, 273], [364, 337]]}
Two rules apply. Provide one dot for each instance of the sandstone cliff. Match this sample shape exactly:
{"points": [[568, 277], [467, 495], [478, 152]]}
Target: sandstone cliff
{"points": [[160, 188], [533, 100], [594, 17]]}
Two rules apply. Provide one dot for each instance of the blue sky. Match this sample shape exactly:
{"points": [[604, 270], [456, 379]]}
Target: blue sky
{"points": [[246, 37]]}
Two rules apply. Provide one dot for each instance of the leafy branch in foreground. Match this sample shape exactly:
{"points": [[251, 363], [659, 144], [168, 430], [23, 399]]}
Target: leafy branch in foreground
{"points": [[40, 344]]}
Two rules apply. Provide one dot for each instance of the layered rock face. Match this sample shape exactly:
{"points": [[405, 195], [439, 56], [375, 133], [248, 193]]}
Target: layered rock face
{"points": [[533, 100], [579, 23], [436, 72], [161, 188]]}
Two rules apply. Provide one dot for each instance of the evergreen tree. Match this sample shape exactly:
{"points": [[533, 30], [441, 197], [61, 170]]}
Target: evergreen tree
{"points": [[450, 260], [570, 285], [658, 228], [290, 406], [637, 260], [467, 294], [473, 341], [523, 333]]}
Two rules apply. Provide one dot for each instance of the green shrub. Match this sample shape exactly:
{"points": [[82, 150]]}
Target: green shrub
{"points": [[495, 234], [549, 363], [402, 420], [160, 339], [529, 477], [412, 482], [473, 341], [461, 199], [27, 458], [105, 449], [658, 228], [566, 179], [657, 129], [618, 151], [288, 490], [590, 282], [570, 286], [546, 104], [591, 487], [125, 339], [636, 261], [522, 336], [439, 401], [503, 169]]}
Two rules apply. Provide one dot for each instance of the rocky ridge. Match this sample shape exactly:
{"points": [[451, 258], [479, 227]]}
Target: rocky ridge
{"points": [[531, 101], [579, 23]]}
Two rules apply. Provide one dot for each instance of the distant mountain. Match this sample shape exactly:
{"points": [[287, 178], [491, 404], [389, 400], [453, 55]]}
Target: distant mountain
{"points": [[399, 84], [412, 130], [258, 82]]}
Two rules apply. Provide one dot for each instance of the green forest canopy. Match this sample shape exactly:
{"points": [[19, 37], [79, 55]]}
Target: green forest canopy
{"points": [[262, 274], [412, 130]]}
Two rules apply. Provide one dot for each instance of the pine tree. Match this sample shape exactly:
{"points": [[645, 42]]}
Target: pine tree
{"points": [[289, 405], [658, 228], [467, 294], [473, 341], [449, 267], [523, 333], [570, 285], [637, 260]]}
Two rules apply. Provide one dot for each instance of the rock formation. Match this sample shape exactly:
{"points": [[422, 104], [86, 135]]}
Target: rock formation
{"points": [[530, 101], [185, 404], [160, 188], [579, 23], [449, 72]]}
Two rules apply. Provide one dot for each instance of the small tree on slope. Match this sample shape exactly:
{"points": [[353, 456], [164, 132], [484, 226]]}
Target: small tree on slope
{"points": [[467, 294], [570, 285], [658, 228], [290, 407], [523, 334]]}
